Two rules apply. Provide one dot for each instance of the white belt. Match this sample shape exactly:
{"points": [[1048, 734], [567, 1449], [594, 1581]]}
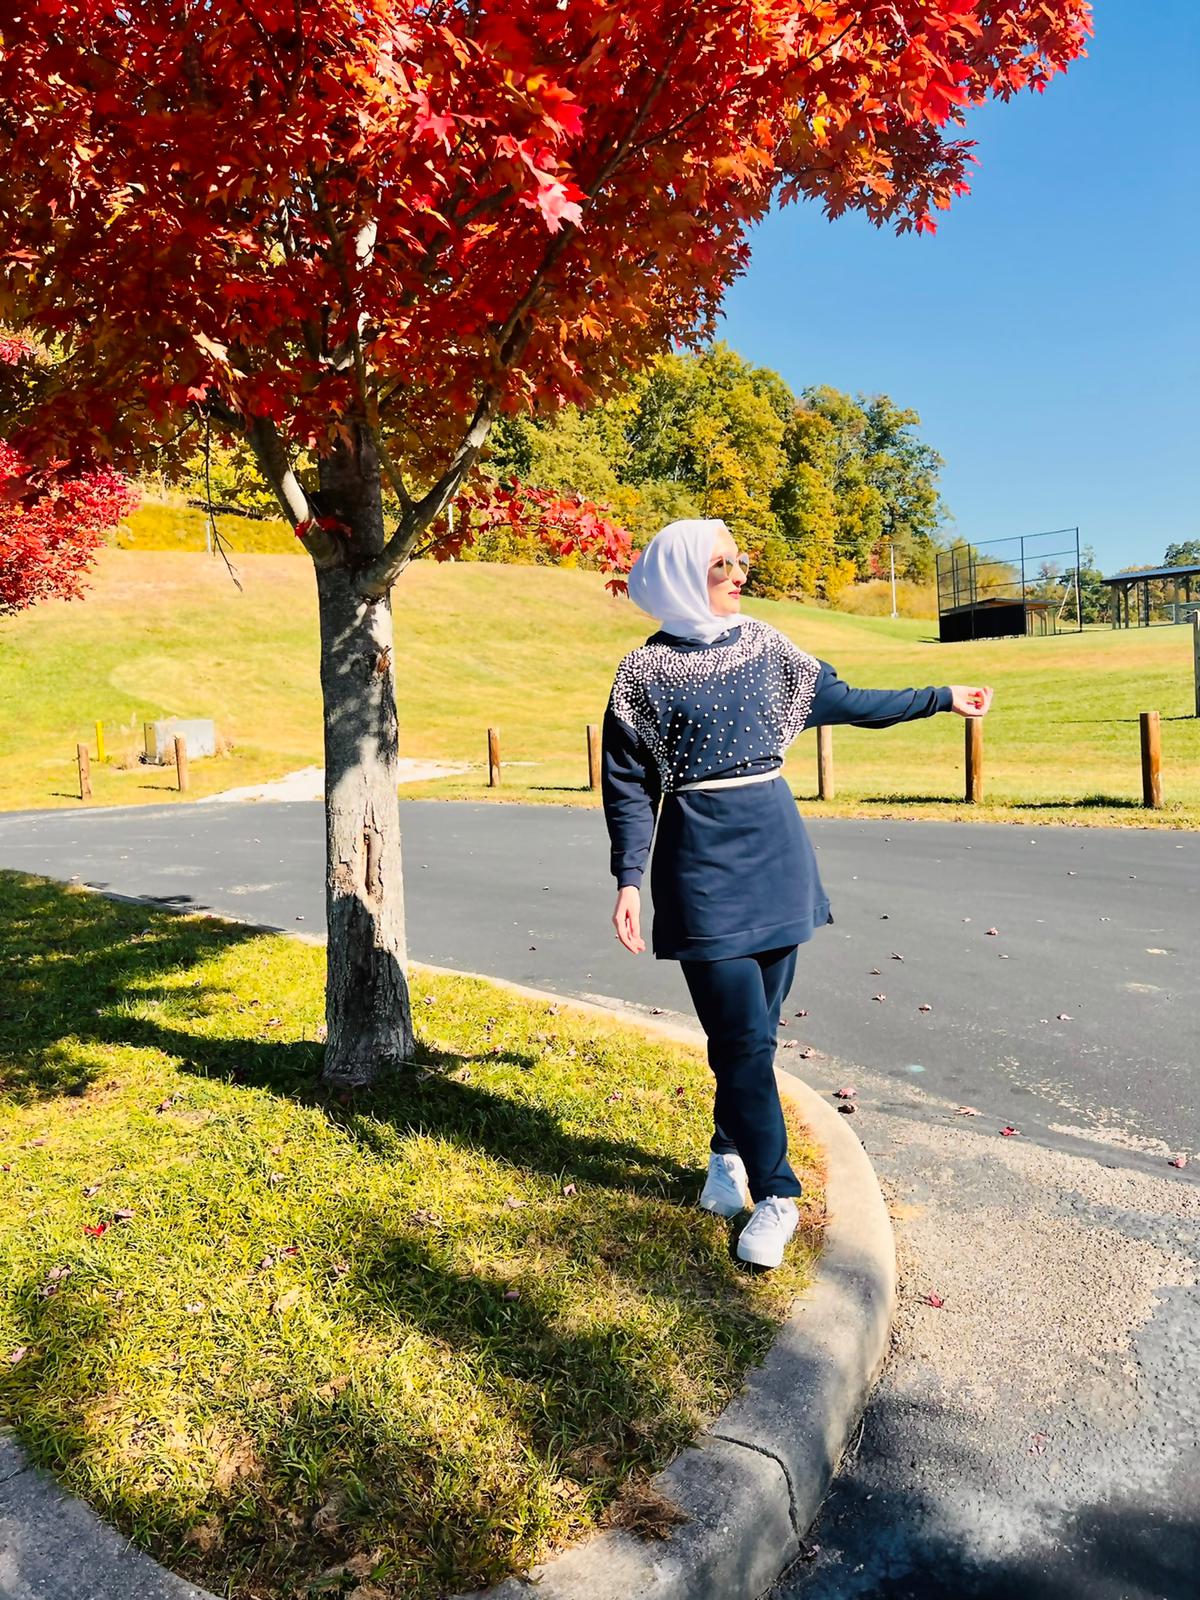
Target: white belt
{"points": [[728, 783]]}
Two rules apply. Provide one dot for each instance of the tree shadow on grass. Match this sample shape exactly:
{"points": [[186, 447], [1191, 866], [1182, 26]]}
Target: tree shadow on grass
{"points": [[578, 1396], [1100, 801], [395, 1475], [101, 951]]}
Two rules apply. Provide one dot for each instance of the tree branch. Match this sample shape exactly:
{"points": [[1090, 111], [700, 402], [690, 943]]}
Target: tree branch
{"points": [[375, 579]]}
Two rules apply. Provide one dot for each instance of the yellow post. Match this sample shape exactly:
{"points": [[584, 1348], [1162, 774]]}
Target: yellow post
{"points": [[99, 741]]}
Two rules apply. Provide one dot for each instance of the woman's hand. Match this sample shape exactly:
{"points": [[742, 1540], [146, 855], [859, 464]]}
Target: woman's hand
{"points": [[627, 918], [970, 702]]}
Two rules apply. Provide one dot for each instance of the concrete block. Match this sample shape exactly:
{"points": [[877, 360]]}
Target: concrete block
{"points": [[198, 733]]}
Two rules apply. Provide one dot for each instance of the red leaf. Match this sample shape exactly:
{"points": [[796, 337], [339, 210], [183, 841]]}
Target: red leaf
{"points": [[1008, 1130]]}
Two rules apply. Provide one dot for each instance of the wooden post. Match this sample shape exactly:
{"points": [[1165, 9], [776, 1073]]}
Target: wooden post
{"points": [[825, 763], [593, 749], [181, 767], [100, 742], [1151, 773], [85, 774], [493, 758], [1196, 654], [974, 742]]}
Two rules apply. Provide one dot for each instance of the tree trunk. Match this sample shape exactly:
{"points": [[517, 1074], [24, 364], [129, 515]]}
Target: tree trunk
{"points": [[368, 1013]]}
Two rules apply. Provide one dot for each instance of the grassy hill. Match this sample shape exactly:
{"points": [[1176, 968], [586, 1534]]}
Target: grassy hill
{"points": [[531, 650]]}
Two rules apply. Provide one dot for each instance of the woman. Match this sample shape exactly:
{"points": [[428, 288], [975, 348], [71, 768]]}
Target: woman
{"points": [[694, 736]]}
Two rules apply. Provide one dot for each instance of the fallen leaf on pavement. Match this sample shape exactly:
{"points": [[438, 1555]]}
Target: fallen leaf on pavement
{"points": [[924, 1008], [1008, 1130], [934, 1300], [845, 1094], [848, 1107], [1177, 1161], [967, 1111], [992, 930]]}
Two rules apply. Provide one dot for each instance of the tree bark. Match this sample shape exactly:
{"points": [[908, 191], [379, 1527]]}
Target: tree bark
{"points": [[368, 1011]]}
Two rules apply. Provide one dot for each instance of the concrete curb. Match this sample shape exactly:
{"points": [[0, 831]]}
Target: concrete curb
{"points": [[750, 1487], [753, 1483]]}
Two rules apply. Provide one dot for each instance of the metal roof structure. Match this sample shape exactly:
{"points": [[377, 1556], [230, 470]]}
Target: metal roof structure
{"points": [[1154, 572]]}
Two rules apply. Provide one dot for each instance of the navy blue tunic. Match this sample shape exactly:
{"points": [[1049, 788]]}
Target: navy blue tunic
{"points": [[733, 870]]}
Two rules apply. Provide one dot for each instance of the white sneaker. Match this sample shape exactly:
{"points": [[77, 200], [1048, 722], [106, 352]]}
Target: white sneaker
{"points": [[773, 1223], [724, 1189]]}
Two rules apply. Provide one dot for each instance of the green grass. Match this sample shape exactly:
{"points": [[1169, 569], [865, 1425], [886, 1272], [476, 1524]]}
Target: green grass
{"points": [[160, 525], [292, 1346], [532, 651]]}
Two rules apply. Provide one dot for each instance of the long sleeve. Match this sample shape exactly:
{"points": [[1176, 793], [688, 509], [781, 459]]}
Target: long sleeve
{"points": [[834, 701], [630, 790]]}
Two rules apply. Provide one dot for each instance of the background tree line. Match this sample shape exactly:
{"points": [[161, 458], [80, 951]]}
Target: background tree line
{"points": [[814, 485]]}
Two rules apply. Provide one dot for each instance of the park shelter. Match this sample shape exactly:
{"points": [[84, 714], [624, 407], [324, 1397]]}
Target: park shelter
{"points": [[1008, 587], [1159, 594]]}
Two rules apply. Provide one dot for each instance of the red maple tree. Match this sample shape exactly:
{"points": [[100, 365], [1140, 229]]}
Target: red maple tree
{"points": [[51, 525], [369, 227]]}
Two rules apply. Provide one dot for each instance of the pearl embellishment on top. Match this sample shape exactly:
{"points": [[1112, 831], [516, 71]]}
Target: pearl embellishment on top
{"points": [[668, 695]]}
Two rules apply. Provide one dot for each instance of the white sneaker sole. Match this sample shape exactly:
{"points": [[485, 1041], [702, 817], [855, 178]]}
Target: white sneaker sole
{"points": [[759, 1254], [723, 1208]]}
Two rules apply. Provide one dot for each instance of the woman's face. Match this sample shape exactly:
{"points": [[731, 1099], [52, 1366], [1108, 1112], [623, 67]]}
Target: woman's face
{"points": [[725, 576]]}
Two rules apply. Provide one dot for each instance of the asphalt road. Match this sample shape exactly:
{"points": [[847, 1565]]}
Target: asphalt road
{"points": [[1037, 1434], [1095, 925]]}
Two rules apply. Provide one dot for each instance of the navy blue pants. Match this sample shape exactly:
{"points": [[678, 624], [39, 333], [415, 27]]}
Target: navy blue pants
{"points": [[738, 1001]]}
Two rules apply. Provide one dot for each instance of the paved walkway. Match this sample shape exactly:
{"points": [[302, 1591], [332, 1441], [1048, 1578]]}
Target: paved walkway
{"points": [[1038, 1433]]}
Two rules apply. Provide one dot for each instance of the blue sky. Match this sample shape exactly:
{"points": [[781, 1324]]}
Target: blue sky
{"points": [[1048, 332]]}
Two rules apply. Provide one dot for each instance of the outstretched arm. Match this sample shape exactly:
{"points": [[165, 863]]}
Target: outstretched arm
{"points": [[835, 701]]}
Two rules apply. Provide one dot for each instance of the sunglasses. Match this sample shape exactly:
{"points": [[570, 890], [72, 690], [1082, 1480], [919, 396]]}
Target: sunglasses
{"points": [[724, 565]]}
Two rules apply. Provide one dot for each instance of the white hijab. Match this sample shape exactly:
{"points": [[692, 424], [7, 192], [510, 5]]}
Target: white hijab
{"points": [[670, 580]]}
